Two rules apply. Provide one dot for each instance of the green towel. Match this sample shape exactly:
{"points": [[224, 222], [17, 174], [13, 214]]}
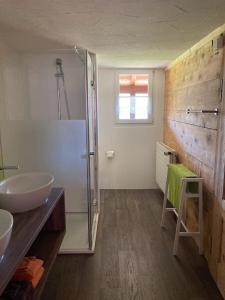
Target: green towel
{"points": [[175, 174]]}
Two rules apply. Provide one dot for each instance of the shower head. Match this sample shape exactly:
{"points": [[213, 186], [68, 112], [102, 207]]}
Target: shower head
{"points": [[59, 67], [58, 61]]}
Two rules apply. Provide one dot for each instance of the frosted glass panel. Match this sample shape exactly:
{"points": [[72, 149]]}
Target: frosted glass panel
{"points": [[57, 147]]}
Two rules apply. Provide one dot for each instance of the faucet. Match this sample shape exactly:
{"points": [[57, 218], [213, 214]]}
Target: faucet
{"points": [[9, 168]]}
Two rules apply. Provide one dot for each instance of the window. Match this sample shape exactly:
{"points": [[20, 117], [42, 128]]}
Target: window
{"points": [[133, 104]]}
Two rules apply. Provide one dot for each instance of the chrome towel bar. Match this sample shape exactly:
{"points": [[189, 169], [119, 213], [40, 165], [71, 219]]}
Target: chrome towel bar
{"points": [[204, 111]]}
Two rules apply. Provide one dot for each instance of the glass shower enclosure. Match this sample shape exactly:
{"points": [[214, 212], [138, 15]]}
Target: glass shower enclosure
{"points": [[50, 125]]}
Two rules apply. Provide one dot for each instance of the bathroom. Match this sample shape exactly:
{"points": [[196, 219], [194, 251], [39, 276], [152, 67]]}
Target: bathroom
{"points": [[85, 105]]}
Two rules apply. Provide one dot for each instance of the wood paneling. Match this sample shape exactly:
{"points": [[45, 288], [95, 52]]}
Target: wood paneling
{"points": [[199, 66], [221, 260], [195, 82], [217, 262], [196, 141], [203, 95]]}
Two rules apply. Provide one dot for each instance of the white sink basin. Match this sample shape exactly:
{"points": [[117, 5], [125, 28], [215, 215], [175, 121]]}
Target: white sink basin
{"points": [[6, 224], [24, 192]]}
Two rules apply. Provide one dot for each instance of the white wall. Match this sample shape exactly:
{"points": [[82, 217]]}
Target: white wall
{"points": [[13, 85], [134, 164]]}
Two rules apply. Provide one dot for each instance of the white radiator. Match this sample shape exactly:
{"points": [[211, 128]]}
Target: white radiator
{"points": [[164, 156]]}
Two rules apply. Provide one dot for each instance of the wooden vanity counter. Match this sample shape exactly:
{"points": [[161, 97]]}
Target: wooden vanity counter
{"points": [[38, 233]]}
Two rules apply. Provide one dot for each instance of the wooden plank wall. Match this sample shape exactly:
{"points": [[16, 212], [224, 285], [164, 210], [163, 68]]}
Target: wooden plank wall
{"points": [[194, 82], [218, 245]]}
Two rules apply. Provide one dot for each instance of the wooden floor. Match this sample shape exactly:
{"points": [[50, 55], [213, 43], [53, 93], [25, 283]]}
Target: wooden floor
{"points": [[133, 257]]}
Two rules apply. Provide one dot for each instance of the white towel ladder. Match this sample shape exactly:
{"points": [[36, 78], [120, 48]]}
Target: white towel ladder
{"points": [[183, 196]]}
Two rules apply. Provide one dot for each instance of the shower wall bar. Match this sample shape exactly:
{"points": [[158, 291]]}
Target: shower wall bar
{"points": [[60, 75]]}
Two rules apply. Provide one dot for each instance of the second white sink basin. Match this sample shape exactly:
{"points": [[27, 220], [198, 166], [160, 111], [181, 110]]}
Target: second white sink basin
{"points": [[24, 192], [6, 224]]}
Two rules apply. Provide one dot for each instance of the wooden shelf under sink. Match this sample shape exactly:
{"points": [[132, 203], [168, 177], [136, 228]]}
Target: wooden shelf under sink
{"points": [[38, 233]]}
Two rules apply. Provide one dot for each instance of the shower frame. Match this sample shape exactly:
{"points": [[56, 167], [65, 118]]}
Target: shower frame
{"points": [[93, 208]]}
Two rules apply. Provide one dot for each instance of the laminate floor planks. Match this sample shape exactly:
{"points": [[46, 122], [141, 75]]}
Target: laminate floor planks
{"points": [[133, 258]]}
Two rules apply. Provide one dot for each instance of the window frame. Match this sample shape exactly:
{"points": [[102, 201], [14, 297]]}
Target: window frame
{"points": [[150, 96]]}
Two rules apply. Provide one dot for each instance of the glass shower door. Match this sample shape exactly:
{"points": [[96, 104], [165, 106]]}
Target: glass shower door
{"points": [[45, 141]]}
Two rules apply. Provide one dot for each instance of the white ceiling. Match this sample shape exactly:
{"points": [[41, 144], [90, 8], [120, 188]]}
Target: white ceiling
{"points": [[124, 33]]}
